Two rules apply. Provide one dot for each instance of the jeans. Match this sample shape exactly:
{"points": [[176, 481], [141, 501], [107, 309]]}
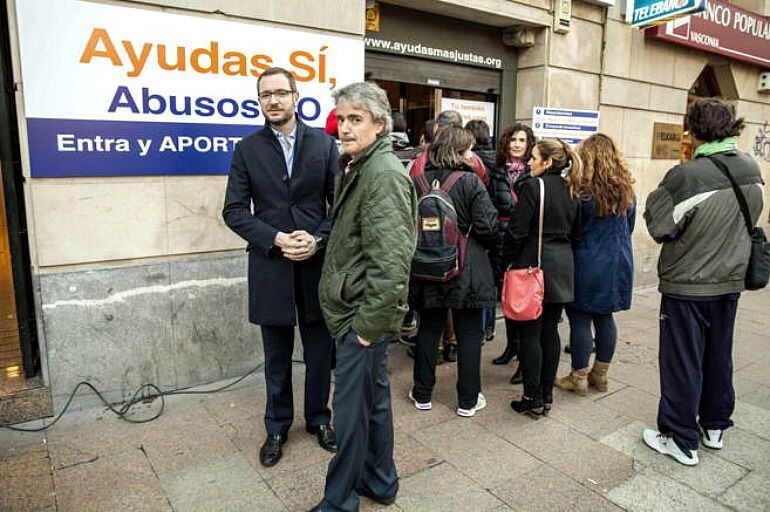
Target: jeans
{"points": [[363, 424], [582, 340]]}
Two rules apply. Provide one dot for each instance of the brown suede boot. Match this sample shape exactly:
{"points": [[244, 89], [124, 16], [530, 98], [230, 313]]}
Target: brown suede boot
{"points": [[598, 376], [576, 381]]}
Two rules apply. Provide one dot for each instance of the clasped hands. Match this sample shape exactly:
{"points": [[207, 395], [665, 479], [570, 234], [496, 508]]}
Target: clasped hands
{"points": [[296, 246]]}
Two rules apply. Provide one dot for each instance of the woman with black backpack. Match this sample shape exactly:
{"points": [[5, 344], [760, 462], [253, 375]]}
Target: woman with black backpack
{"points": [[450, 192]]}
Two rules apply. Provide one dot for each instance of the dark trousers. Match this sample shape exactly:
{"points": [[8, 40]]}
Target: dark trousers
{"points": [[363, 423], [582, 340], [278, 343], [696, 366], [467, 327], [512, 334], [539, 352]]}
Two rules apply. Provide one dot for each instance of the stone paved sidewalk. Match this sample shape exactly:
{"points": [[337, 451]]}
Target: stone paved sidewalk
{"points": [[201, 455]]}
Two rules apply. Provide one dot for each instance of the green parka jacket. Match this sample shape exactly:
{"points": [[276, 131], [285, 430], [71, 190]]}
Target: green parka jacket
{"points": [[365, 277]]}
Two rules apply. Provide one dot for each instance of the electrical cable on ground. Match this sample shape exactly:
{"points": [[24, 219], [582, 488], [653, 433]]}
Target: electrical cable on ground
{"points": [[139, 396]]}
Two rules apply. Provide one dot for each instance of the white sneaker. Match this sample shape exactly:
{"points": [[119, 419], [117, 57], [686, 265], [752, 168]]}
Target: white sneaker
{"points": [[481, 402], [666, 445], [423, 406], [713, 439]]}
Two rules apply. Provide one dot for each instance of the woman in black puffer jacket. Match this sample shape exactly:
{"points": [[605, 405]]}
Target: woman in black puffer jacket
{"points": [[514, 150], [468, 293]]}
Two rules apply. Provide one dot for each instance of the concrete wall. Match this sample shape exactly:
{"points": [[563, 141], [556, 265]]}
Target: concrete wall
{"points": [[605, 64]]}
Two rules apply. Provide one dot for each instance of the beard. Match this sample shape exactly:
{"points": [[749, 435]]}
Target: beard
{"points": [[283, 119]]}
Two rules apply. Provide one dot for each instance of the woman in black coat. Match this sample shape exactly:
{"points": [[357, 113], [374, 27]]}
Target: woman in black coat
{"points": [[512, 158], [467, 293], [558, 166]]}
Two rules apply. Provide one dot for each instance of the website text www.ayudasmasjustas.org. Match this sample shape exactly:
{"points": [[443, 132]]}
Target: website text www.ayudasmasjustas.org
{"points": [[420, 50]]}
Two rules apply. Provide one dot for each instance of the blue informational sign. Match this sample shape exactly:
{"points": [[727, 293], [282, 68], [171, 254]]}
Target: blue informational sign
{"points": [[571, 126], [644, 13]]}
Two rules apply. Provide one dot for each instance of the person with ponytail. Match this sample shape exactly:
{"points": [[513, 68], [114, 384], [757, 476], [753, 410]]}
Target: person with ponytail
{"points": [[604, 263], [559, 167]]}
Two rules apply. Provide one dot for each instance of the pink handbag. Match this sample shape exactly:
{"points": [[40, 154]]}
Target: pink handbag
{"points": [[523, 289]]}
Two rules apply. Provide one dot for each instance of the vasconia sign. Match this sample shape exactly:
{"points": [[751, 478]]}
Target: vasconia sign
{"points": [[723, 29], [111, 90], [642, 13]]}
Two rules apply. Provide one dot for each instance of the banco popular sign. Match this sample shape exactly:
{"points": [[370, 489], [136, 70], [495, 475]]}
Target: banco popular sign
{"points": [[723, 29], [642, 13], [111, 90]]}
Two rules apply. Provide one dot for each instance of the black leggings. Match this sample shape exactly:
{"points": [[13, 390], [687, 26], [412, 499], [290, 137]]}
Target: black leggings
{"points": [[539, 352], [467, 324]]}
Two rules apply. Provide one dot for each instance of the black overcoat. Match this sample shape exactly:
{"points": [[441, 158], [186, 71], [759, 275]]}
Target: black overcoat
{"points": [[474, 288], [561, 229], [261, 199]]}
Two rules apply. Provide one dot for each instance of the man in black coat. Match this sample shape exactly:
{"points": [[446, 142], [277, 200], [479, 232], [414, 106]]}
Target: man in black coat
{"points": [[286, 172]]}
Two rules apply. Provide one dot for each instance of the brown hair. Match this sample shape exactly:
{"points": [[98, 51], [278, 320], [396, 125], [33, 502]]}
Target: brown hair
{"points": [[444, 151], [278, 71], [501, 156], [563, 156], [711, 119], [605, 178]]}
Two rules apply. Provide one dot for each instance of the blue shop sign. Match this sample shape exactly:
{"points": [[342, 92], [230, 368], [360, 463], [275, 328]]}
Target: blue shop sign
{"points": [[644, 13]]}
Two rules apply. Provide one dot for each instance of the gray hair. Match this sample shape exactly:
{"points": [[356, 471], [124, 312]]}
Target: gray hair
{"points": [[449, 118], [367, 96]]}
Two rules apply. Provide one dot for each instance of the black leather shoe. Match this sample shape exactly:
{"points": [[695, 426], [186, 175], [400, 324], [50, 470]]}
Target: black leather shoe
{"points": [[505, 358], [530, 406], [450, 353], [517, 378], [325, 436], [547, 403], [271, 452], [382, 501]]}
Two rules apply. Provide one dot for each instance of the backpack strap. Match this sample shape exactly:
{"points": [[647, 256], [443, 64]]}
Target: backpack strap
{"points": [[738, 194], [422, 184], [451, 180]]}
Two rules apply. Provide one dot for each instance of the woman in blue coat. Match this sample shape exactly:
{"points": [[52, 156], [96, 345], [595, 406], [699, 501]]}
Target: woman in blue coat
{"points": [[604, 265]]}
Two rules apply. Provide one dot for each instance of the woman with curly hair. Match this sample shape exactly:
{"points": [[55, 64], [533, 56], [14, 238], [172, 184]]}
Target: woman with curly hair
{"points": [[514, 150], [604, 264]]}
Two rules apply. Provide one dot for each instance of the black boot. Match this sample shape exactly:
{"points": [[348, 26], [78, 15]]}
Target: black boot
{"points": [[516, 378], [508, 354], [529, 406], [547, 402]]}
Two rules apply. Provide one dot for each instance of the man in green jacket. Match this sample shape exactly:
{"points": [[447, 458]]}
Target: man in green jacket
{"points": [[363, 294], [695, 214]]}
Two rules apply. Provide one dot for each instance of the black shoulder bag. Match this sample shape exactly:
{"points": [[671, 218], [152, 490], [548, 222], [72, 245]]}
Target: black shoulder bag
{"points": [[758, 271]]}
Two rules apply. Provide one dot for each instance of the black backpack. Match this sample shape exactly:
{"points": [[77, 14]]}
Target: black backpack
{"points": [[440, 252]]}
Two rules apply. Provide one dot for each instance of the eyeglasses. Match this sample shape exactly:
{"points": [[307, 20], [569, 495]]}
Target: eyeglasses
{"points": [[280, 94]]}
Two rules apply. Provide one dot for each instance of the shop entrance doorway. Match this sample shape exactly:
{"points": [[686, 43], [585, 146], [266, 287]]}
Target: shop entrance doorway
{"points": [[19, 352], [705, 86], [420, 103]]}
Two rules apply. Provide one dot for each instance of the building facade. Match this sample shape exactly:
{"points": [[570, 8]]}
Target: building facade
{"points": [[128, 277]]}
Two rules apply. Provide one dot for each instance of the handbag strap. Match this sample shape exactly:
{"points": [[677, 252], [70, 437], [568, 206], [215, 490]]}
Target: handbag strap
{"points": [[738, 194], [540, 224]]}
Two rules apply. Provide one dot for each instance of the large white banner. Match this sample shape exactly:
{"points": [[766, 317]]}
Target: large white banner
{"points": [[112, 90]]}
